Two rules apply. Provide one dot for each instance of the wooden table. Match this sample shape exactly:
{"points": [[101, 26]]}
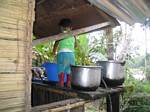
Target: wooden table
{"points": [[112, 94]]}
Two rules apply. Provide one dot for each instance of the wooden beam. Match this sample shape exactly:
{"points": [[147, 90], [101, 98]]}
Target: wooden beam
{"points": [[67, 107], [75, 32], [56, 104]]}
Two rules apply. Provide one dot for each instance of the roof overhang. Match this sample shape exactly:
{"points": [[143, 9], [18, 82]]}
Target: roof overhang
{"points": [[48, 13], [130, 11]]}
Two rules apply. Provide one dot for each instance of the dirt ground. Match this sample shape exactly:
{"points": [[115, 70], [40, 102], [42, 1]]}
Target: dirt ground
{"points": [[96, 106]]}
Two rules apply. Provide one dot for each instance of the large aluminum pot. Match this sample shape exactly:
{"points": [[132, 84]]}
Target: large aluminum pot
{"points": [[112, 72], [86, 77]]}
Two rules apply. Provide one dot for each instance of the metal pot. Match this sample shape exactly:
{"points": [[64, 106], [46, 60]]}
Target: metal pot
{"points": [[86, 77], [112, 72]]}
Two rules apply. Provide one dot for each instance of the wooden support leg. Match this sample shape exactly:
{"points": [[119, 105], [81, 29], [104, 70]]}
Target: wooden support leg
{"points": [[113, 103]]}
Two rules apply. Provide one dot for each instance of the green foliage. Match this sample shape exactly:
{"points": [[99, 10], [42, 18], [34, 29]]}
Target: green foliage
{"points": [[98, 47], [137, 92], [136, 95], [82, 50], [146, 87], [139, 102], [137, 62], [44, 53]]}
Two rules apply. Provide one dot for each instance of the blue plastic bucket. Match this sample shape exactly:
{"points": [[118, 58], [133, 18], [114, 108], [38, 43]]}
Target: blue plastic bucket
{"points": [[51, 71]]}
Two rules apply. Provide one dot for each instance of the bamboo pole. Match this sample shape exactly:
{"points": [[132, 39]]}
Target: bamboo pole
{"points": [[75, 32]]}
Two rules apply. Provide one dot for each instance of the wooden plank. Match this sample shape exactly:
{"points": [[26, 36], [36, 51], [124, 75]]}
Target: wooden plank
{"points": [[19, 3], [75, 32], [12, 54], [12, 47], [19, 108], [11, 94], [19, 25], [18, 61], [12, 70], [12, 21], [55, 104], [12, 60], [19, 7], [12, 43], [9, 33], [12, 66], [11, 11], [13, 102], [12, 51], [12, 81], [67, 107], [18, 82], [11, 75], [12, 87], [16, 2]]}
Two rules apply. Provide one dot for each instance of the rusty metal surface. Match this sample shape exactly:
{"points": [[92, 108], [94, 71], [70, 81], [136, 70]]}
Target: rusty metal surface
{"points": [[48, 13]]}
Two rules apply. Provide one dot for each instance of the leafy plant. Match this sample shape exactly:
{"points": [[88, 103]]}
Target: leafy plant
{"points": [[43, 53], [82, 50]]}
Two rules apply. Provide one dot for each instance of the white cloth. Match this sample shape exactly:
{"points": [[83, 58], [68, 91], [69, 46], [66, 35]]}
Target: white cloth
{"points": [[65, 50]]}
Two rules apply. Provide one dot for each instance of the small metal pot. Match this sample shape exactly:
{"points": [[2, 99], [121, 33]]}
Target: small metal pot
{"points": [[112, 72], [86, 77]]}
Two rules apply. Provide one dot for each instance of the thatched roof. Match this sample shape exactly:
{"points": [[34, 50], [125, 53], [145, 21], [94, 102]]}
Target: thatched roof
{"points": [[49, 12]]}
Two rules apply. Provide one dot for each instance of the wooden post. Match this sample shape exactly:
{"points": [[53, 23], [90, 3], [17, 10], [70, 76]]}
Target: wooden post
{"points": [[28, 53], [113, 103], [110, 49]]}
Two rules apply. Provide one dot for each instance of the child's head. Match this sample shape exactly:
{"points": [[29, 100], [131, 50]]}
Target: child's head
{"points": [[65, 25]]}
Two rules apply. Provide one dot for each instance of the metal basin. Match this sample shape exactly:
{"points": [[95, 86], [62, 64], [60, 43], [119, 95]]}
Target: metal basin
{"points": [[112, 72], [86, 77]]}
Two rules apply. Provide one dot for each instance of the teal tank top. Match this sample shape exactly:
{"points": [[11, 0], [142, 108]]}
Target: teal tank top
{"points": [[67, 42]]}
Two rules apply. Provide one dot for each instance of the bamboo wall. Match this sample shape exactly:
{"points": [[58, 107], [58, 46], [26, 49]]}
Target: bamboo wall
{"points": [[16, 19]]}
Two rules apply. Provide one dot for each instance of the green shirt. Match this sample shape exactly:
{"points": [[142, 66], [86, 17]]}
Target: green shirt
{"points": [[67, 43]]}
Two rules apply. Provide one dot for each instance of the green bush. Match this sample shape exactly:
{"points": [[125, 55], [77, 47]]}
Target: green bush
{"points": [[139, 103], [137, 96]]}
